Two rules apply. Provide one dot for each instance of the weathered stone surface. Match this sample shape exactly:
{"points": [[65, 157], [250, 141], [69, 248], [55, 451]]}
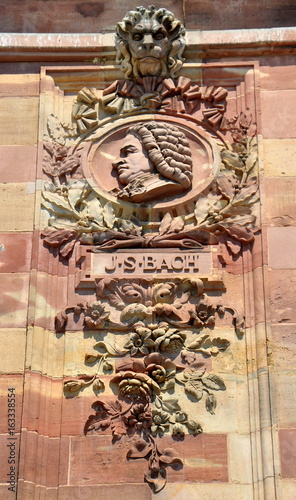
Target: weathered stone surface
{"points": [[287, 439], [16, 252], [18, 163], [14, 290], [13, 343], [275, 104], [116, 492], [283, 257], [19, 85], [282, 295], [16, 207], [279, 157], [280, 209], [19, 120], [205, 460]]}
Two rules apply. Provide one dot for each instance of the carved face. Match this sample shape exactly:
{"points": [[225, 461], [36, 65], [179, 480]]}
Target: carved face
{"points": [[149, 46], [133, 161]]}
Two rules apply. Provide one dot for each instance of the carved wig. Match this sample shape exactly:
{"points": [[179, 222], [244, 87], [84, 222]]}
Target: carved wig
{"points": [[173, 27], [168, 150]]}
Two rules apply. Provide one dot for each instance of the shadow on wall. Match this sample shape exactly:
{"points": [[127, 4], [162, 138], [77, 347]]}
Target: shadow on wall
{"points": [[68, 16]]}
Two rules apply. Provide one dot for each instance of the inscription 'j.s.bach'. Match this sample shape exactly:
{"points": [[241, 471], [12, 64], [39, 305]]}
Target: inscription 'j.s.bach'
{"points": [[148, 263]]}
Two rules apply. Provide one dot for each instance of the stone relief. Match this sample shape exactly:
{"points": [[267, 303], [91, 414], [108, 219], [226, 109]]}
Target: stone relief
{"points": [[146, 165], [155, 160], [160, 328], [157, 166]]}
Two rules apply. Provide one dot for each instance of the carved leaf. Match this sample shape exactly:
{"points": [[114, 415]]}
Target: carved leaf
{"points": [[55, 129], [165, 224], [214, 382], [73, 385], [59, 206], [244, 195], [56, 238], [194, 390], [177, 225], [109, 215], [221, 344], [226, 186], [240, 233], [251, 161], [202, 208], [169, 457], [170, 405], [95, 210], [158, 483], [140, 449], [69, 164], [211, 403], [67, 248], [203, 341], [232, 160], [91, 358], [107, 348]]}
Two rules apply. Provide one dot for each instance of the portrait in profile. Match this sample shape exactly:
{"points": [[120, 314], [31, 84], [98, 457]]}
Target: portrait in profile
{"points": [[154, 161]]}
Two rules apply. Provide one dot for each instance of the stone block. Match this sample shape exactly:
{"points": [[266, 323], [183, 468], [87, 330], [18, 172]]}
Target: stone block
{"points": [[280, 209], [205, 459], [278, 110], [240, 458], [283, 345], [285, 397], [43, 399], [287, 438], [104, 491], [18, 163], [14, 289], [45, 352], [214, 491], [19, 85], [282, 286], [15, 252], [40, 464], [279, 157], [278, 76], [16, 208], [19, 120], [281, 244], [13, 346]]}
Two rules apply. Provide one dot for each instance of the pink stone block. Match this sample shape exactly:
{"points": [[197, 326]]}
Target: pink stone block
{"points": [[281, 245], [287, 439], [18, 163], [278, 110], [15, 252]]}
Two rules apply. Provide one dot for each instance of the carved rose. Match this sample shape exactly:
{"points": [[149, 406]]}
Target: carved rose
{"points": [[139, 418], [137, 386], [169, 340], [160, 370]]}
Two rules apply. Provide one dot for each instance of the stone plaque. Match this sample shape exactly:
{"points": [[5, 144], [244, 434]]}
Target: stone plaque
{"points": [[127, 263]]}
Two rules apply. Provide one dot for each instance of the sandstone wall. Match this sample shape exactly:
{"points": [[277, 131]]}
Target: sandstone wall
{"points": [[248, 448]]}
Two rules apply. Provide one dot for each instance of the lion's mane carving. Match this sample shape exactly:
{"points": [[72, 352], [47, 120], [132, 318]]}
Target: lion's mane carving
{"points": [[150, 16]]}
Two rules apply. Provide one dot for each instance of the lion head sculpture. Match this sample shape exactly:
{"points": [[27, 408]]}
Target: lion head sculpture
{"points": [[150, 42]]}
